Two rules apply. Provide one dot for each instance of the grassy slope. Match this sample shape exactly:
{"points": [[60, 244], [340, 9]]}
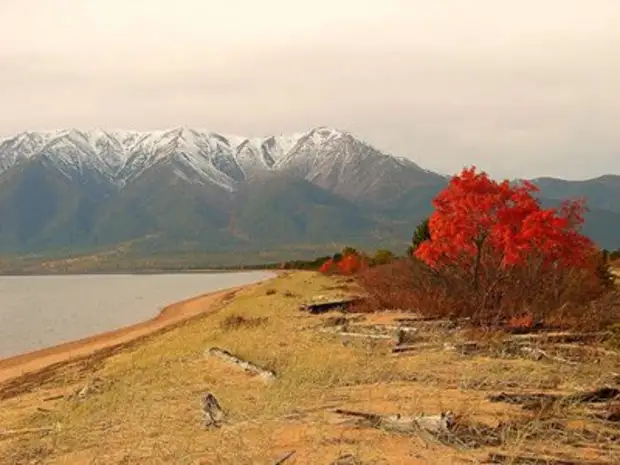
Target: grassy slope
{"points": [[149, 409]]}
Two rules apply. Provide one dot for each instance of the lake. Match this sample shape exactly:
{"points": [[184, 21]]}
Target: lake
{"points": [[42, 311]]}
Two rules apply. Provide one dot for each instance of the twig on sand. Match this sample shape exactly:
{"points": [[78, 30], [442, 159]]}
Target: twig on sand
{"points": [[5, 434], [284, 458]]}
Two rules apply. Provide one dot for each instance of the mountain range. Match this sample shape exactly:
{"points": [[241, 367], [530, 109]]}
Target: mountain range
{"points": [[184, 190]]}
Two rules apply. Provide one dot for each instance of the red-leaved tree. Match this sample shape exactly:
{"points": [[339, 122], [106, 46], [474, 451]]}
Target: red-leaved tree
{"points": [[327, 266], [486, 232], [350, 263]]}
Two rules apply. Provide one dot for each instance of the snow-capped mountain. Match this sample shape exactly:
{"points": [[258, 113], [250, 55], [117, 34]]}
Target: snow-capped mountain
{"points": [[188, 190], [326, 157]]}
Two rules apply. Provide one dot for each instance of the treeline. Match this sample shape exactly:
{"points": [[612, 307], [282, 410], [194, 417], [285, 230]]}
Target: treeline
{"points": [[347, 259], [613, 255]]}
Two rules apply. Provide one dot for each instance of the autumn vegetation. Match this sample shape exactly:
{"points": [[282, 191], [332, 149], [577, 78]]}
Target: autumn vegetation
{"points": [[491, 253]]}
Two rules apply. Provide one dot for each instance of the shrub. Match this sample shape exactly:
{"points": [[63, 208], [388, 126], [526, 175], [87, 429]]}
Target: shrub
{"points": [[382, 257], [233, 322], [497, 257]]}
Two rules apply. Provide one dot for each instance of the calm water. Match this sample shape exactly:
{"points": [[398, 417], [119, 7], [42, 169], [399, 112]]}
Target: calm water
{"points": [[41, 311]]}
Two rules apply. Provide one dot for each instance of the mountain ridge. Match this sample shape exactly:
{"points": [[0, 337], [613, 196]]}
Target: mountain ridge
{"points": [[120, 156], [192, 189]]}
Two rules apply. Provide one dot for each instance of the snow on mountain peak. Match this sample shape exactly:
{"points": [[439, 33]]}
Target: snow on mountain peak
{"points": [[120, 156]]}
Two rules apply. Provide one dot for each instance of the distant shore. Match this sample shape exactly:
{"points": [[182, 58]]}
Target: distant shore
{"points": [[171, 316]]}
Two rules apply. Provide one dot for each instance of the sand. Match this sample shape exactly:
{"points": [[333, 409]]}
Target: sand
{"points": [[172, 315]]}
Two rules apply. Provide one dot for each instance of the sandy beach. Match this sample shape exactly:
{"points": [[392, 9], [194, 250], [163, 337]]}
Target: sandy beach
{"points": [[169, 317]]}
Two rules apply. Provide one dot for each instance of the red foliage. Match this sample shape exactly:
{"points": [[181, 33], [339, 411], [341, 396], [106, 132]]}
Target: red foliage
{"points": [[524, 321], [498, 258], [482, 226], [328, 266], [350, 264]]}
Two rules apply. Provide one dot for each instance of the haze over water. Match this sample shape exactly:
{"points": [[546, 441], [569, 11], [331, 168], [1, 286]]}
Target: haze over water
{"points": [[42, 311]]}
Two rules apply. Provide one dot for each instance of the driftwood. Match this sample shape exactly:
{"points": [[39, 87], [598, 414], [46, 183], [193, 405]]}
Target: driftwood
{"points": [[539, 354], [9, 433], [246, 366], [539, 400], [433, 322], [347, 459], [212, 413], [599, 395], [523, 460], [561, 337], [284, 458], [465, 348], [406, 424], [405, 329], [400, 349], [327, 305], [350, 334], [45, 410]]}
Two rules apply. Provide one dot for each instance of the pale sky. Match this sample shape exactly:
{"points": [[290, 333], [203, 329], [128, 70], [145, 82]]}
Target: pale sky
{"points": [[520, 88]]}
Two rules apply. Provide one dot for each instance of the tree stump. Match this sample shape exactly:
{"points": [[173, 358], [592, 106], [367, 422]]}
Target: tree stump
{"points": [[213, 415]]}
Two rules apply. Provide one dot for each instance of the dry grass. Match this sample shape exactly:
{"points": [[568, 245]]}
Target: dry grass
{"points": [[146, 409]]}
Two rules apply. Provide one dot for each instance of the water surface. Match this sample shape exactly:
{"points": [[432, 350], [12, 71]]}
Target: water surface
{"points": [[42, 311]]}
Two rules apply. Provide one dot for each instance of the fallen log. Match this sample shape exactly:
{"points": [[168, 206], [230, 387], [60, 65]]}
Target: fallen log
{"points": [[524, 460], [350, 334], [244, 365], [598, 395], [539, 354], [537, 400], [404, 423], [561, 337], [400, 349], [325, 306], [387, 329], [527, 401], [432, 321]]}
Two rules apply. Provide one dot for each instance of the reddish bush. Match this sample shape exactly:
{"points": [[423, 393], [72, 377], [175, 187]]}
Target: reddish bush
{"points": [[350, 263], [328, 266], [496, 256], [524, 321]]}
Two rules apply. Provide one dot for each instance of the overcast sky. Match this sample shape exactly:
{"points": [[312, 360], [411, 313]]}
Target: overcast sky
{"points": [[517, 87]]}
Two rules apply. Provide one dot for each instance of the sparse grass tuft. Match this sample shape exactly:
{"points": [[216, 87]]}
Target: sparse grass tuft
{"points": [[233, 322]]}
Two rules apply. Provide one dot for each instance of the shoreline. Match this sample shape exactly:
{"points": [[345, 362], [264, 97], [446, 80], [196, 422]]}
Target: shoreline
{"points": [[138, 272], [16, 366]]}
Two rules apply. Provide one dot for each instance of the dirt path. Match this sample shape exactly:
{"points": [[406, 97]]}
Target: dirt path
{"points": [[172, 315]]}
